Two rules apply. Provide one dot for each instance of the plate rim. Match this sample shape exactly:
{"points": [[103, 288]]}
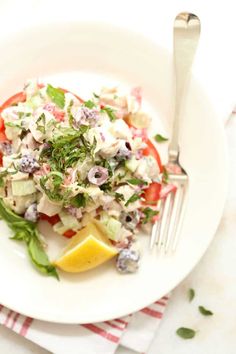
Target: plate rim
{"points": [[184, 275]]}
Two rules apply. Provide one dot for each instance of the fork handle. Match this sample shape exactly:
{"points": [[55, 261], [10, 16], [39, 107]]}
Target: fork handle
{"points": [[186, 36]]}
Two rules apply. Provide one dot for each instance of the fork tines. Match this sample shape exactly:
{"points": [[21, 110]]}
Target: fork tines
{"points": [[165, 232]]}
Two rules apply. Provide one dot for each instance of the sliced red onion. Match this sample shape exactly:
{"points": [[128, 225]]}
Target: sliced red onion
{"points": [[98, 175]]}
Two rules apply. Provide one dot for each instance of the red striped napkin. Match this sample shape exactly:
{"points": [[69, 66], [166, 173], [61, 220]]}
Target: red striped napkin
{"points": [[135, 331]]}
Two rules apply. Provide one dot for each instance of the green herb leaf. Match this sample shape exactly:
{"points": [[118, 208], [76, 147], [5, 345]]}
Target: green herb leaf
{"points": [[22, 115], [149, 213], [95, 95], [119, 196], [185, 333], [55, 179], [2, 175], [110, 112], [106, 187], [204, 311], [165, 176], [191, 294], [160, 139], [23, 133], [137, 181], [79, 201], [67, 148], [42, 120], [26, 231], [132, 199], [89, 104], [105, 163], [19, 236], [56, 95], [121, 176], [39, 257], [13, 125], [70, 116]]}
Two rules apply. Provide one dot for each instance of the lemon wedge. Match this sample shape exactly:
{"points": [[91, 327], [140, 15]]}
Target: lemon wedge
{"points": [[87, 249]]}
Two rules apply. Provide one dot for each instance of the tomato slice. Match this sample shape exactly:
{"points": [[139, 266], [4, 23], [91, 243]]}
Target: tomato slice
{"points": [[152, 193], [52, 220], [2, 126], [69, 233], [18, 97], [2, 136], [21, 97]]}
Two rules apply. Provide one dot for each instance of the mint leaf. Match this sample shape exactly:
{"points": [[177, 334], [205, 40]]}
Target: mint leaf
{"points": [[13, 125], [132, 199], [57, 96], [119, 196], [42, 120], [79, 201], [185, 333], [149, 213], [55, 179], [19, 236], [26, 231], [165, 176], [67, 148], [89, 104], [136, 181], [160, 139], [191, 294], [204, 311], [110, 112], [2, 175], [39, 257]]}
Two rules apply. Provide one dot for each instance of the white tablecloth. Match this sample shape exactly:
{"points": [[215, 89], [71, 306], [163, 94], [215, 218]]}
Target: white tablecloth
{"points": [[214, 278]]}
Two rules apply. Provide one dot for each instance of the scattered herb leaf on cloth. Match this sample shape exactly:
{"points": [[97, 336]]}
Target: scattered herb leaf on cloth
{"points": [[204, 311], [191, 294], [185, 333]]}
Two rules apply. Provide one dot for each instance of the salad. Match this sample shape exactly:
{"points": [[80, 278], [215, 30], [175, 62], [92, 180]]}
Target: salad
{"points": [[86, 167]]}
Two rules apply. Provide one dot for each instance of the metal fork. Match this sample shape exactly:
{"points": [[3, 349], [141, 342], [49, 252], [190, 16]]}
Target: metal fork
{"points": [[166, 231]]}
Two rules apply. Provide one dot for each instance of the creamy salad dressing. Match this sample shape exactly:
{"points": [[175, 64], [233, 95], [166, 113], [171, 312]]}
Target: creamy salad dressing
{"points": [[80, 160]]}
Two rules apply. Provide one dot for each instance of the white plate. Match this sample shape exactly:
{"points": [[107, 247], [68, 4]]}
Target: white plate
{"points": [[80, 57]]}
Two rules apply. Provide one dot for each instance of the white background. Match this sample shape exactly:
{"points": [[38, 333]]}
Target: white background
{"points": [[214, 278]]}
